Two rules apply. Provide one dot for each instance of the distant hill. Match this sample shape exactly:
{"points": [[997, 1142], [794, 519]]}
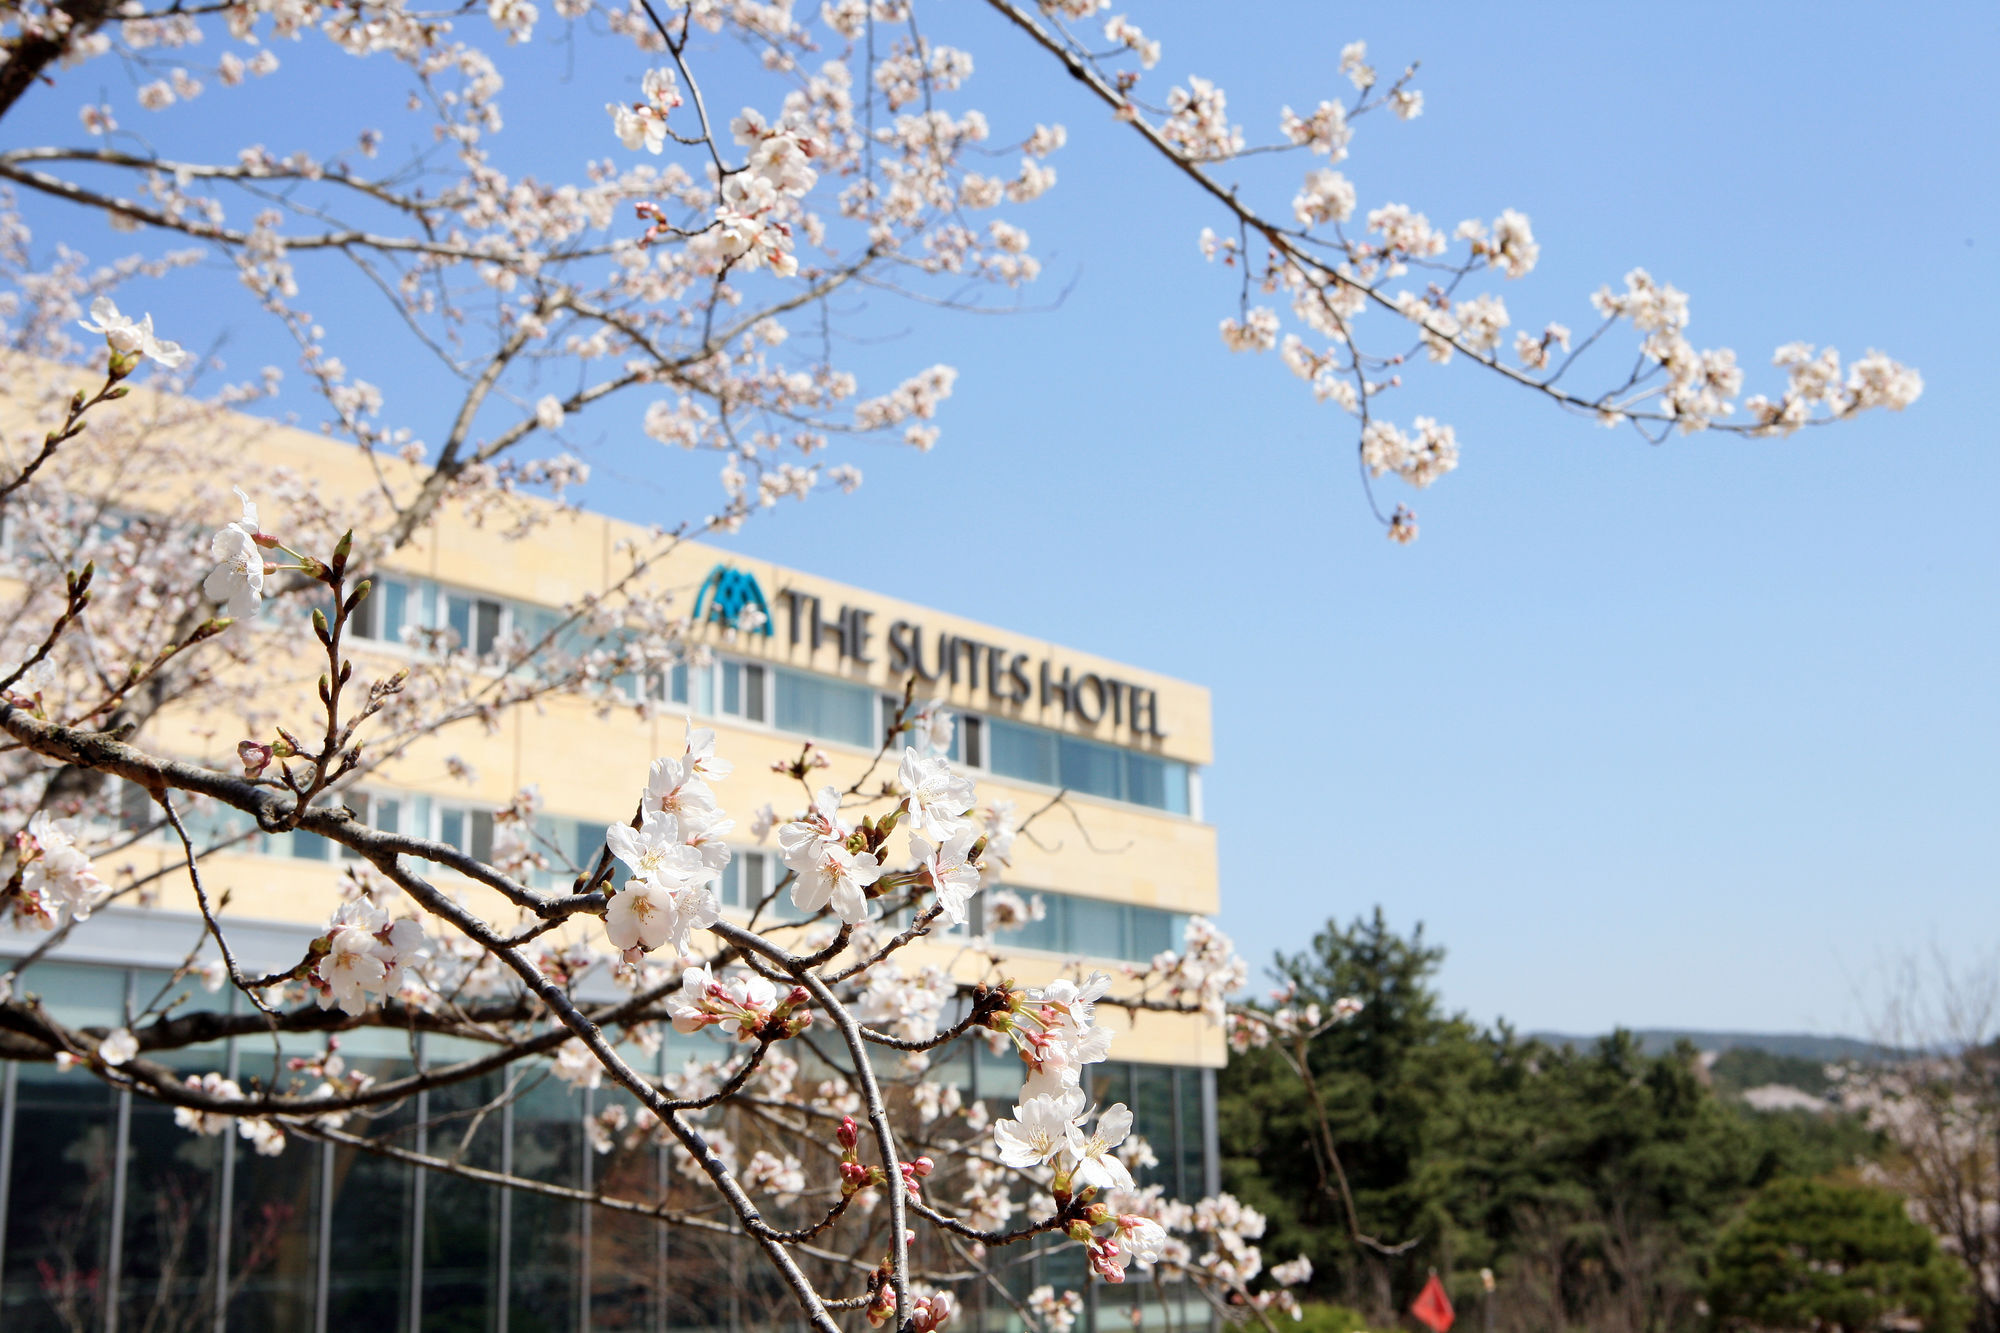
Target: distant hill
{"points": [[1799, 1045]]}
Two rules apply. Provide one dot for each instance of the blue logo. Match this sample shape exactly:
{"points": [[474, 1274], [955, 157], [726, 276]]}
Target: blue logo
{"points": [[726, 594]]}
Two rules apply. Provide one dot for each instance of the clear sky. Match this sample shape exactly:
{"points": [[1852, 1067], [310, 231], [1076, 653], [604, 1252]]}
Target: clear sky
{"points": [[1696, 735]]}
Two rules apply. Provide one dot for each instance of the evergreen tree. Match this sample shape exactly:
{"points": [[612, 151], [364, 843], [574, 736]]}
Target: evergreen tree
{"points": [[1810, 1254]]}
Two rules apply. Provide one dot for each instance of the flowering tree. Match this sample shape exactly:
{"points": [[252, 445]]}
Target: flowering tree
{"points": [[1938, 1108], [686, 271]]}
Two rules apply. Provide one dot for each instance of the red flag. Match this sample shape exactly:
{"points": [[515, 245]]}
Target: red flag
{"points": [[1432, 1307]]}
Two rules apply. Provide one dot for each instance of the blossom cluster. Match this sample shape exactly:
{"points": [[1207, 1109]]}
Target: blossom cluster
{"points": [[57, 881]]}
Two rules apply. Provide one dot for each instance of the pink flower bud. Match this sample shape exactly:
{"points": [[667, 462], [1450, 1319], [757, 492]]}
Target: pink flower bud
{"points": [[930, 1313], [849, 1133], [1104, 1259], [256, 757]]}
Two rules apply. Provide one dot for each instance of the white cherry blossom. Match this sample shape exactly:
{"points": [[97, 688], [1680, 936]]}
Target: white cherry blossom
{"points": [[1091, 1162], [129, 336], [938, 800], [837, 877], [238, 580], [118, 1047], [1044, 1128], [953, 876]]}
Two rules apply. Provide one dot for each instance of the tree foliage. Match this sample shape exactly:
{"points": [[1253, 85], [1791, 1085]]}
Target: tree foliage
{"points": [[1812, 1254], [1592, 1181]]}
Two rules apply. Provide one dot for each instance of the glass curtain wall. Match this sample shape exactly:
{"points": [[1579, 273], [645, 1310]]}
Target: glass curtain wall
{"points": [[113, 1218]]}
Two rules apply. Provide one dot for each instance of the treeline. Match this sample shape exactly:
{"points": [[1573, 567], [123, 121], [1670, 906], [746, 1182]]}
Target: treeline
{"points": [[1597, 1185]]}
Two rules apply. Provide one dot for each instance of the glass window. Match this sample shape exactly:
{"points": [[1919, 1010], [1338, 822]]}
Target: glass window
{"points": [[1051, 931], [382, 613], [419, 818], [1097, 770], [1021, 752], [169, 1222], [827, 710], [540, 624], [702, 691], [1153, 931], [488, 626], [968, 741], [1193, 1179], [1153, 1105], [369, 1266], [60, 1196], [458, 618], [1160, 783], [1073, 924], [460, 1217], [1098, 927], [745, 880], [546, 1253], [743, 690], [273, 1236]]}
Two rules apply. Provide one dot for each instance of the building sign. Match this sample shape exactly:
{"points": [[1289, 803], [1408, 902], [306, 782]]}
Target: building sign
{"points": [[1006, 676], [726, 595]]}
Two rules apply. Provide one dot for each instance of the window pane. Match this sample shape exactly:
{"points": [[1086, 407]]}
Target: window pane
{"points": [[828, 710], [1146, 780], [461, 1217], [1048, 933], [273, 1237], [1152, 932], [1098, 928], [966, 741], [677, 684], [361, 624], [1095, 769], [1193, 1182], [482, 835], [489, 626], [60, 1197], [732, 883], [171, 1178], [451, 828], [732, 688], [546, 1252], [392, 606], [369, 1263], [458, 617], [1153, 1117], [753, 693], [1022, 752]]}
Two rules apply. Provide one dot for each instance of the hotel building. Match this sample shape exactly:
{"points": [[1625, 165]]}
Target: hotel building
{"points": [[112, 1217]]}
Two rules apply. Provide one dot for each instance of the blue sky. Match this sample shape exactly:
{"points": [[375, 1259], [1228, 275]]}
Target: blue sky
{"points": [[1691, 735]]}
